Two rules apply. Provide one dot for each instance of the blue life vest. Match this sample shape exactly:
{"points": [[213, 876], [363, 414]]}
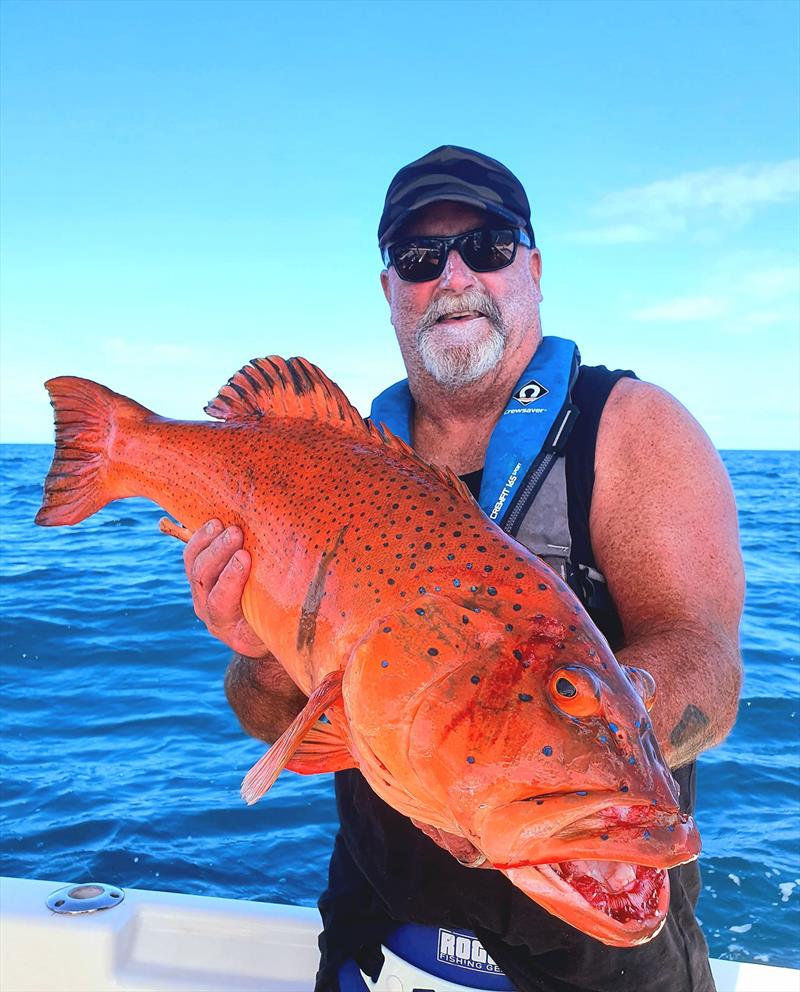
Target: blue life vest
{"points": [[527, 438]]}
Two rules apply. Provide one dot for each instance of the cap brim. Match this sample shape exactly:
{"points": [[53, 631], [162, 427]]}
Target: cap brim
{"points": [[454, 197]]}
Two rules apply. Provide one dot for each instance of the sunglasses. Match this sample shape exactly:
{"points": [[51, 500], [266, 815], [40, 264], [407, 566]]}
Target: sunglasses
{"points": [[486, 249]]}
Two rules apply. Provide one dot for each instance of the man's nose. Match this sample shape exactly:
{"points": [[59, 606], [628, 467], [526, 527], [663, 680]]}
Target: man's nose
{"points": [[457, 275]]}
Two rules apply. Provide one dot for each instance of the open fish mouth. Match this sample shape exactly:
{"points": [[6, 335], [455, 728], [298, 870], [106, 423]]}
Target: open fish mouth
{"points": [[628, 902], [618, 903], [615, 887]]}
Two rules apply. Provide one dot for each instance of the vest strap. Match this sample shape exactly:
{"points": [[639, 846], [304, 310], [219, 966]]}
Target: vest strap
{"points": [[527, 438]]}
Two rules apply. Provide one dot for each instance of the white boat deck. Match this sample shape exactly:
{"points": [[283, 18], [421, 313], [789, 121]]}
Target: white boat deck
{"points": [[168, 942]]}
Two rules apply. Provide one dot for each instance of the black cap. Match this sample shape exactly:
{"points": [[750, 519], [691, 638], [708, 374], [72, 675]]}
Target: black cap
{"points": [[453, 173]]}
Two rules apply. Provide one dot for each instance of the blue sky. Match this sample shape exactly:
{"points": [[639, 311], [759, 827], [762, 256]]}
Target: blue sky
{"points": [[188, 185]]}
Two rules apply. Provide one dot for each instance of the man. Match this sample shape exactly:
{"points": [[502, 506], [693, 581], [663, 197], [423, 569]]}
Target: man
{"points": [[633, 507]]}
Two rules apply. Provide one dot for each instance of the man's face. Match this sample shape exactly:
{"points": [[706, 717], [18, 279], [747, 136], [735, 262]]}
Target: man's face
{"points": [[461, 326]]}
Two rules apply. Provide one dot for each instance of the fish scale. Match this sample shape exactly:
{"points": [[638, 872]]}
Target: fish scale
{"points": [[455, 670]]}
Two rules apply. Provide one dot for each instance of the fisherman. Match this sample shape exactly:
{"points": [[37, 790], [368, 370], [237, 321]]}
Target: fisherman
{"points": [[618, 488]]}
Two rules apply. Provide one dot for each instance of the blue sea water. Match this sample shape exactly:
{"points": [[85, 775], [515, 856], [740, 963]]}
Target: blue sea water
{"points": [[122, 762]]}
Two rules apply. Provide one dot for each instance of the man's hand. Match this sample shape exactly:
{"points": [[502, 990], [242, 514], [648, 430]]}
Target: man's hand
{"points": [[461, 849], [217, 567]]}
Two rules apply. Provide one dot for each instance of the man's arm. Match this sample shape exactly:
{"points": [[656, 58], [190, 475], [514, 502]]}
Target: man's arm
{"points": [[258, 689], [262, 695], [664, 532]]}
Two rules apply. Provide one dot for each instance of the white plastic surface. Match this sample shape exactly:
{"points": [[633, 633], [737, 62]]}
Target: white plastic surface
{"points": [[167, 942], [154, 942]]}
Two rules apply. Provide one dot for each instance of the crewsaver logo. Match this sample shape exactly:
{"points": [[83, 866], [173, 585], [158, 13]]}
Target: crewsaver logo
{"points": [[465, 952], [530, 392]]}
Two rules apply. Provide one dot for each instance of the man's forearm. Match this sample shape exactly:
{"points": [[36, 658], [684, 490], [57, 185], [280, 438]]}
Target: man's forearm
{"points": [[698, 678], [262, 695]]}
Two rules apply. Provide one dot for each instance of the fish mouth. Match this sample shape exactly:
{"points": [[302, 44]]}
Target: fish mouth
{"points": [[606, 872], [618, 903]]}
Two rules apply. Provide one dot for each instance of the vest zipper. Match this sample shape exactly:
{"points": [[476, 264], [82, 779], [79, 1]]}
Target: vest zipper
{"points": [[527, 495]]}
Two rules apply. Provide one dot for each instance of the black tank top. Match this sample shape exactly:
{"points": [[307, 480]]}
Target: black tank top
{"points": [[384, 871]]}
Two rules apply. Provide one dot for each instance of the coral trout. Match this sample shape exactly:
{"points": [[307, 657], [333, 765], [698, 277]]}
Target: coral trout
{"points": [[453, 668]]}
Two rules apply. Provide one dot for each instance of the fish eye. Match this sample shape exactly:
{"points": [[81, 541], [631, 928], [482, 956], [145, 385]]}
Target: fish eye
{"points": [[575, 691], [643, 683]]}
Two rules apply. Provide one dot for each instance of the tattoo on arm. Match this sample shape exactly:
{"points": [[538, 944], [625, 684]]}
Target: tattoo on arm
{"points": [[690, 727]]}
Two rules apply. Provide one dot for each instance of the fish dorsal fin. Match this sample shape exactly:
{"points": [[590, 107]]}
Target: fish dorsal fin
{"points": [[293, 387], [262, 775], [283, 387], [446, 475]]}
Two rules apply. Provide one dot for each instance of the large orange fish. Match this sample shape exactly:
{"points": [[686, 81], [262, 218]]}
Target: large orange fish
{"points": [[453, 668]]}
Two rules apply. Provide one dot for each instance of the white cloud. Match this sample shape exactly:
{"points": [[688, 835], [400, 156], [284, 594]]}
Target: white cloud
{"points": [[769, 284], [693, 202], [744, 298], [685, 308]]}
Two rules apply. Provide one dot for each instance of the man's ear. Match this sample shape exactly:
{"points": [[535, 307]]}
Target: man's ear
{"points": [[535, 267], [387, 290], [535, 263]]}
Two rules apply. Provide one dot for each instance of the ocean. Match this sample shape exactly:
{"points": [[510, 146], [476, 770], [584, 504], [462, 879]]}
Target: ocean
{"points": [[121, 761]]}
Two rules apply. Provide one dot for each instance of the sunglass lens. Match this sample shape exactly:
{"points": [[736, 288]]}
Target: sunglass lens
{"points": [[489, 250], [419, 262]]}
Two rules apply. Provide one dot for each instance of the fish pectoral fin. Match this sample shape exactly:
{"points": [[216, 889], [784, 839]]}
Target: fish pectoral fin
{"points": [[262, 775], [322, 750]]}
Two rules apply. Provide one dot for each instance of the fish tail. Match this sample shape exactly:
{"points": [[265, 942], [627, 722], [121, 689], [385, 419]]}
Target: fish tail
{"points": [[81, 479]]}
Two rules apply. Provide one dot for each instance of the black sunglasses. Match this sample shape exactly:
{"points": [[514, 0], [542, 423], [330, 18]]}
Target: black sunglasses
{"points": [[486, 249]]}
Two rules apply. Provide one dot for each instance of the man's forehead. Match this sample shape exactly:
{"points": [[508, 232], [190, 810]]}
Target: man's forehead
{"points": [[443, 217]]}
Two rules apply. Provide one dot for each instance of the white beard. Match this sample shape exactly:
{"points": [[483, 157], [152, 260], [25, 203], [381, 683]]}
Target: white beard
{"points": [[454, 359]]}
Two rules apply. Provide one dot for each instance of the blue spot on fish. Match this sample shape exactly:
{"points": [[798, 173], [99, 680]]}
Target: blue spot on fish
{"points": [[624, 788], [547, 750], [646, 835], [470, 760], [603, 836], [581, 793], [631, 760], [456, 583], [384, 664], [613, 728]]}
